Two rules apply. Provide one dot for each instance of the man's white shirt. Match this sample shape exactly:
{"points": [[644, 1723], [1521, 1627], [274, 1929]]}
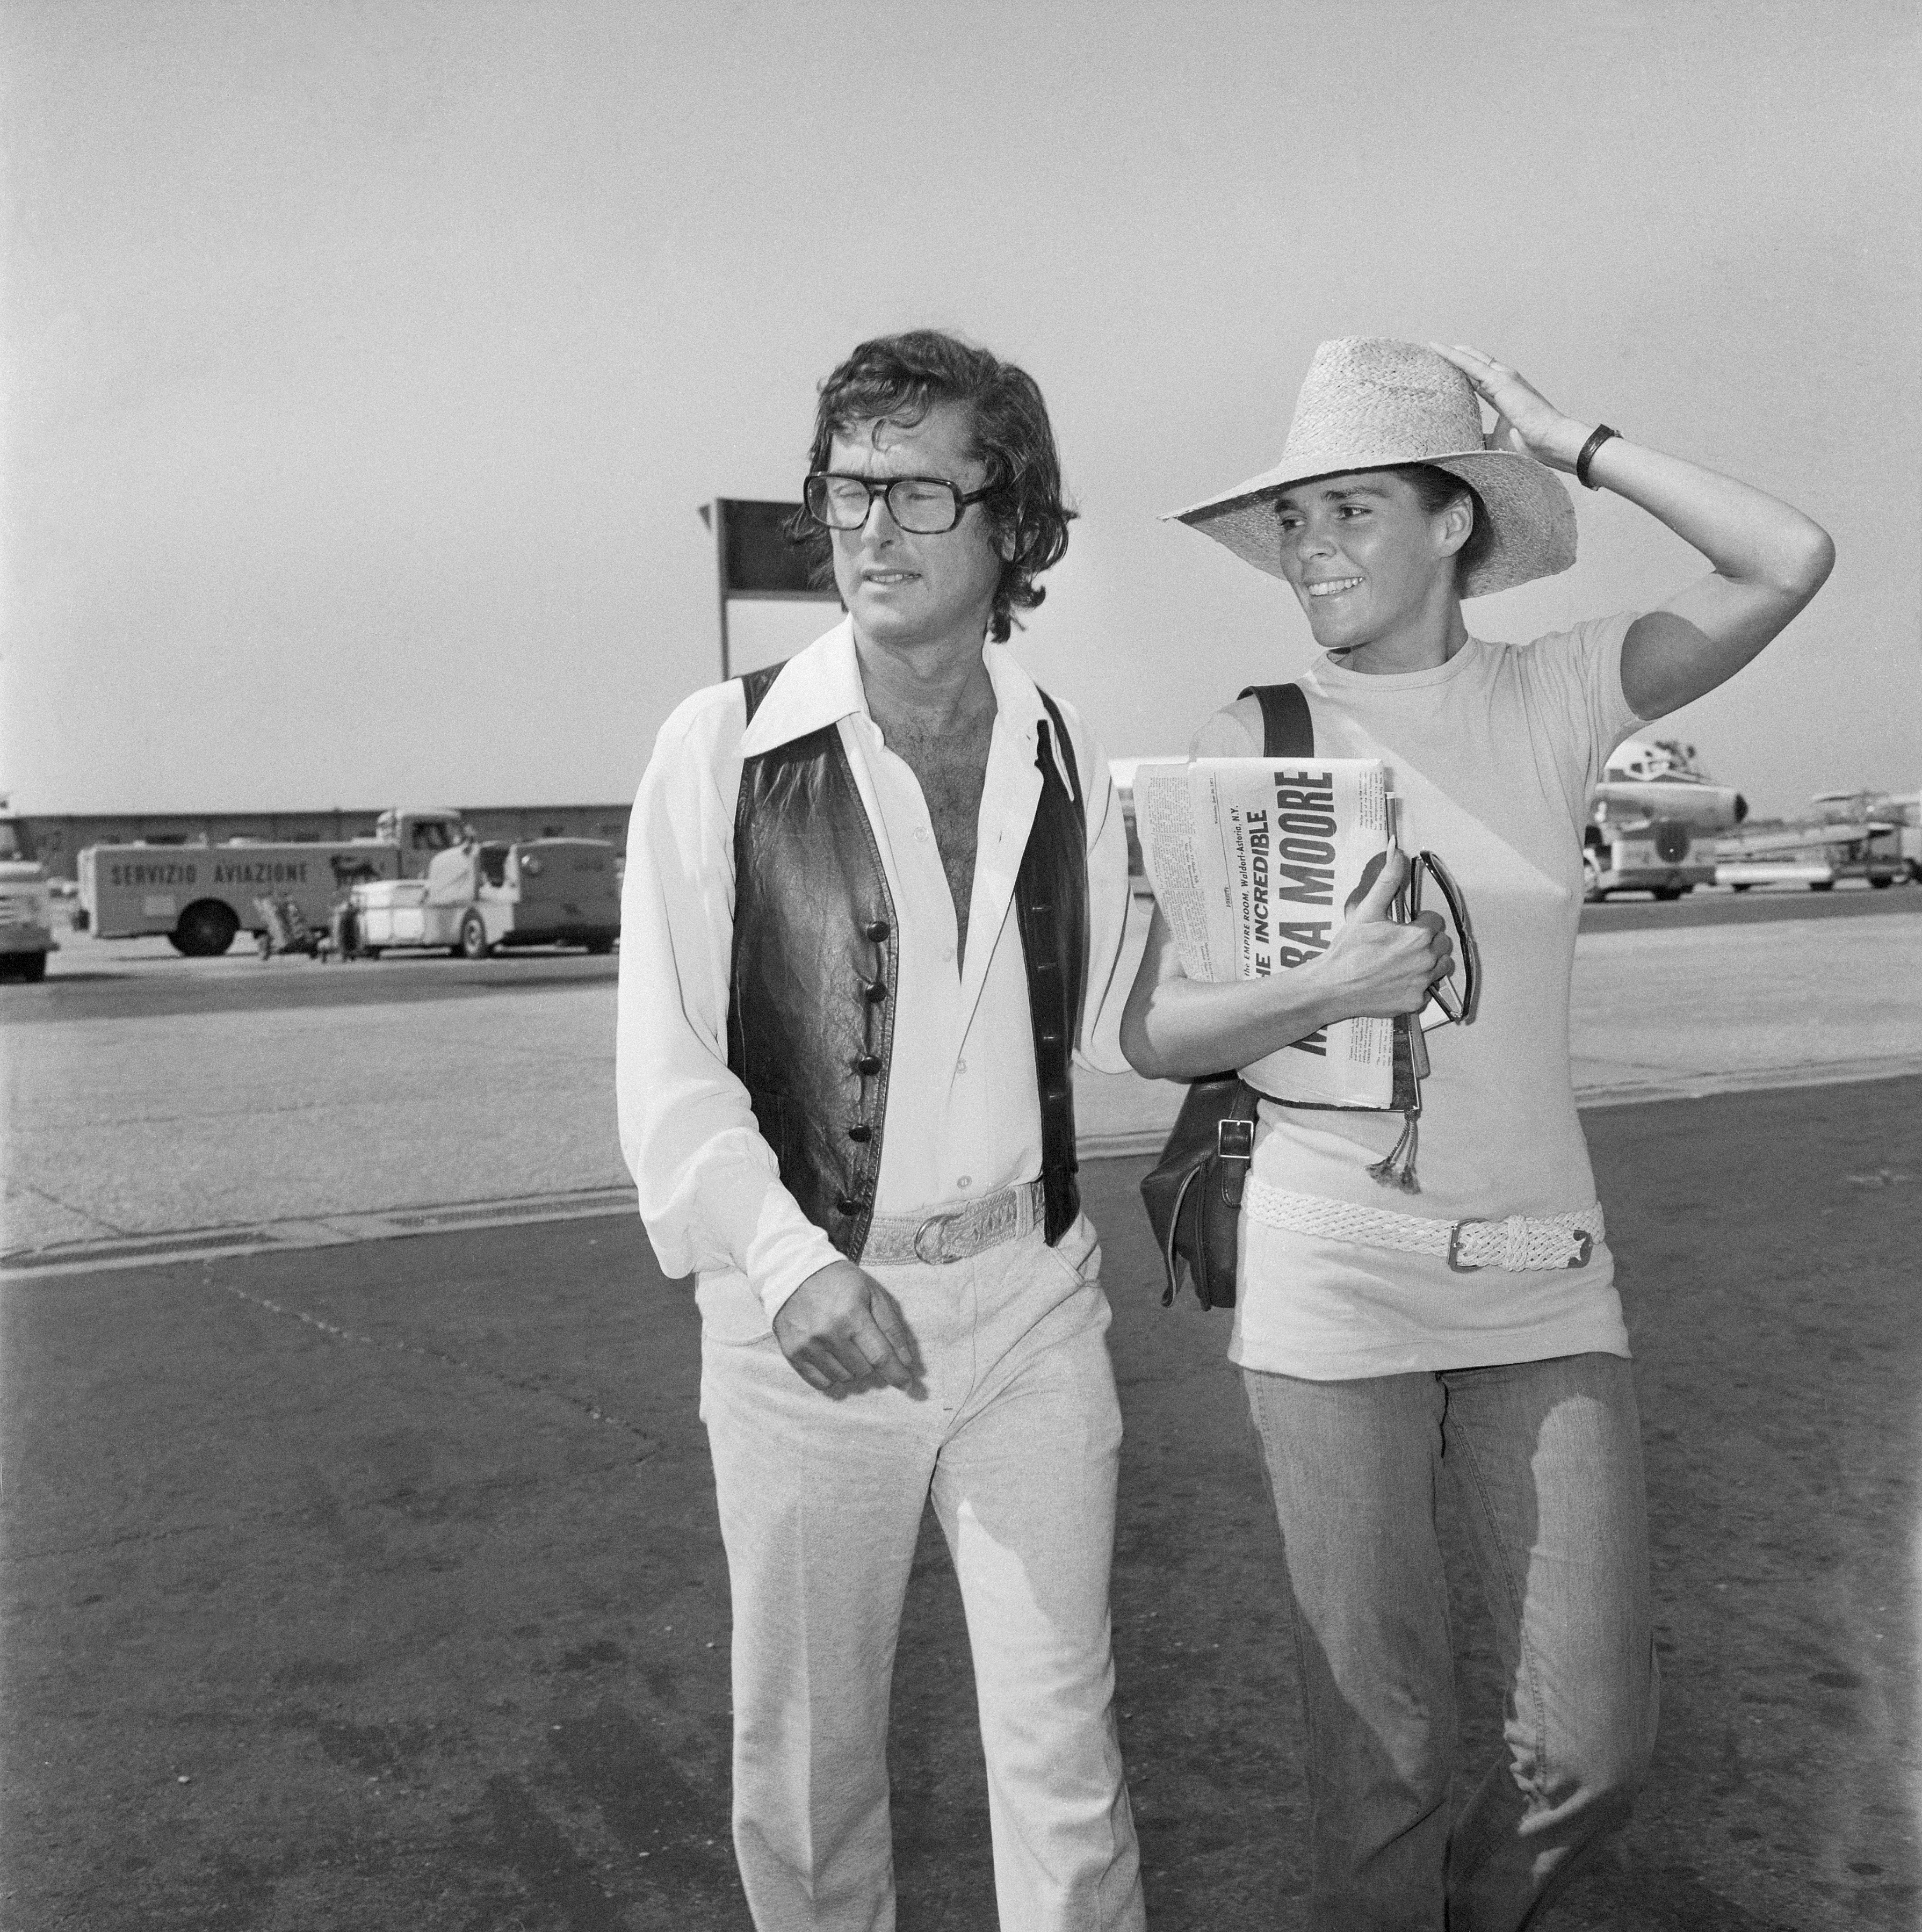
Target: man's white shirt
{"points": [[963, 1115]]}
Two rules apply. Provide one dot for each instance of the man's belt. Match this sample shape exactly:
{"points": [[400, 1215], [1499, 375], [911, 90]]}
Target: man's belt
{"points": [[1521, 1244], [953, 1234]]}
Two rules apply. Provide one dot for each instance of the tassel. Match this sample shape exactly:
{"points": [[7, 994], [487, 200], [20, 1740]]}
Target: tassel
{"points": [[1397, 1170]]}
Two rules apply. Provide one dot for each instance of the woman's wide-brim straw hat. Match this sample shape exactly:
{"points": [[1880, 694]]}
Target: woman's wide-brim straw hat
{"points": [[1371, 403]]}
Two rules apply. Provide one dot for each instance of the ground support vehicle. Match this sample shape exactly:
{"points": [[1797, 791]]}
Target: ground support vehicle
{"points": [[26, 926], [1667, 859], [202, 896], [1741, 874], [283, 929], [541, 892], [1879, 858]]}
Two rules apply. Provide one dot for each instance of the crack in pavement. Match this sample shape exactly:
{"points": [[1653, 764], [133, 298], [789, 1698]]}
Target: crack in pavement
{"points": [[15, 1186], [333, 1331]]}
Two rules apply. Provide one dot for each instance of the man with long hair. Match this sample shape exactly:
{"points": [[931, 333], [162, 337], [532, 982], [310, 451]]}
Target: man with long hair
{"points": [[874, 900]]}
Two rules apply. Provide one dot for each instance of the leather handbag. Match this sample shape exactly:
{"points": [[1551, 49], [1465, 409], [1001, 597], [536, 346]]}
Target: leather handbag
{"points": [[1194, 1193]]}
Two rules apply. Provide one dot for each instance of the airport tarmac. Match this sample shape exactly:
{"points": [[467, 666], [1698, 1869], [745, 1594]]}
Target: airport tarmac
{"points": [[353, 1589], [159, 1105], [358, 1580]]}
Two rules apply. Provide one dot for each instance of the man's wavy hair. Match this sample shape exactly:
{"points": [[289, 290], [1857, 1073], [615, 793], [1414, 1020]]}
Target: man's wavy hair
{"points": [[901, 378]]}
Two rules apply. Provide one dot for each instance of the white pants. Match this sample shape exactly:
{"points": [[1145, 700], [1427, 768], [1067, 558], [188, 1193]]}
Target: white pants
{"points": [[1017, 1434]]}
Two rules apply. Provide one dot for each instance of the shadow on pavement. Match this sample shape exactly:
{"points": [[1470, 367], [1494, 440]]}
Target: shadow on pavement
{"points": [[379, 1585]]}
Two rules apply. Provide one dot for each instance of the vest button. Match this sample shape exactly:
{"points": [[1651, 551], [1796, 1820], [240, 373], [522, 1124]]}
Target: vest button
{"points": [[869, 1063], [860, 1131], [875, 992], [876, 929], [848, 1204]]}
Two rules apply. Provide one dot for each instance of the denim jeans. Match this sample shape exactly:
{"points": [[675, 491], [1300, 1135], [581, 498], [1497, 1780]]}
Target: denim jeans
{"points": [[1546, 1460]]}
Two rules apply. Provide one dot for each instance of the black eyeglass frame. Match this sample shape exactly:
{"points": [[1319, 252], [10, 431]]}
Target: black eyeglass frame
{"points": [[884, 487]]}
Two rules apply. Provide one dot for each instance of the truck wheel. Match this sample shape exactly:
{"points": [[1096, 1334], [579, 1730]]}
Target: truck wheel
{"points": [[600, 946], [206, 929], [1880, 880], [473, 937], [1666, 892], [27, 966]]}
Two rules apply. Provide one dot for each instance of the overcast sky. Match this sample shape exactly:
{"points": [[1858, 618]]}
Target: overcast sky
{"points": [[364, 364]]}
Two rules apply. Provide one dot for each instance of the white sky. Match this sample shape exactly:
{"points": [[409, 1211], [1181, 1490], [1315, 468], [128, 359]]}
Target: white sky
{"points": [[364, 364]]}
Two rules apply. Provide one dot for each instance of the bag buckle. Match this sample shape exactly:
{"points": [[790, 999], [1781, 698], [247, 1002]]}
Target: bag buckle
{"points": [[1234, 1140]]}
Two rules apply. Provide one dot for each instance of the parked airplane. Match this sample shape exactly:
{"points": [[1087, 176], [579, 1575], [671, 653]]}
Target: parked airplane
{"points": [[1660, 822], [1656, 820]]}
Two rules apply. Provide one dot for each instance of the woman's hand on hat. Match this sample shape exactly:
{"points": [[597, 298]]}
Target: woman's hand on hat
{"points": [[1526, 422]]}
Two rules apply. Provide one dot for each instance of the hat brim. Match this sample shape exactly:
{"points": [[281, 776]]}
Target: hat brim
{"points": [[1529, 515]]}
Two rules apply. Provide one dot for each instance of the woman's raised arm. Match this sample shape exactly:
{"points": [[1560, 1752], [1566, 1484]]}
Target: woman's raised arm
{"points": [[1769, 559]]}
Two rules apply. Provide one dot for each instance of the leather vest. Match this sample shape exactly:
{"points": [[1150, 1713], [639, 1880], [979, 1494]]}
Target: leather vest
{"points": [[816, 954]]}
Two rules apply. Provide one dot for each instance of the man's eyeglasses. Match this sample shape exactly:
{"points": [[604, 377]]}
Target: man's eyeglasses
{"points": [[924, 506]]}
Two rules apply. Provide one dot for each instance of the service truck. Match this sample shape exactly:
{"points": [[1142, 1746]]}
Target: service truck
{"points": [[201, 896], [26, 930], [537, 891]]}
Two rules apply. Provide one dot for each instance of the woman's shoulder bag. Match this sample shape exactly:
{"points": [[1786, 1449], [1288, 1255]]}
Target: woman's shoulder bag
{"points": [[1194, 1193]]}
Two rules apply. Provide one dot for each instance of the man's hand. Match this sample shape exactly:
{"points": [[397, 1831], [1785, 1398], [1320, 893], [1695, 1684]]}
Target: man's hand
{"points": [[1387, 966], [842, 1330]]}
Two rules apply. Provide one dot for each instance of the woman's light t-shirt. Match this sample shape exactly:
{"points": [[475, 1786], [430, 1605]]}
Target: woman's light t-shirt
{"points": [[1493, 755]]}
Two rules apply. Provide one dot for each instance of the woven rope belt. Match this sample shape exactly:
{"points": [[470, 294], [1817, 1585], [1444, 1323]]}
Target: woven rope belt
{"points": [[953, 1234], [1519, 1245]]}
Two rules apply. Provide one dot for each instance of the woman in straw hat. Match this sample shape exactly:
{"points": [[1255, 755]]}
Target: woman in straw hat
{"points": [[1473, 1327]]}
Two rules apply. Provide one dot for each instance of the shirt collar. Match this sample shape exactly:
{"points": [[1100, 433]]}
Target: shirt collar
{"points": [[822, 685], [819, 687]]}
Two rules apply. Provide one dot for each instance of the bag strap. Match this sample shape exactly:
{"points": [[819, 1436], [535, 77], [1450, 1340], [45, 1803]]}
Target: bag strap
{"points": [[1287, 728]]}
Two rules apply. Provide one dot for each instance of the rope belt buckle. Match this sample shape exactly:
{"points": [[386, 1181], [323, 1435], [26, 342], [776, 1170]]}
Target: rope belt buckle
{"points": [[1513, 1254]]}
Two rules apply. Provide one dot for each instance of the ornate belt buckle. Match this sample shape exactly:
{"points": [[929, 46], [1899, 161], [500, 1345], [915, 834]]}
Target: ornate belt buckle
{"points": [[1454, 1260], [938, 1222], [1584, 1247]]}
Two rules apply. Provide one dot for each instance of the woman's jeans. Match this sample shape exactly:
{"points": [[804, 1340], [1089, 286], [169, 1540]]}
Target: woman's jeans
{"points": [[1546, 1461]]}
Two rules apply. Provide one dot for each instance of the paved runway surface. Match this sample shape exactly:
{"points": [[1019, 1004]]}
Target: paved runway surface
{"points": [[90, 979], [378, 1586], [171, 1112]]}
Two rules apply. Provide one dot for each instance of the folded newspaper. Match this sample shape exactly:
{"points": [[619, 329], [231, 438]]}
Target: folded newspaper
{"points": [[1255, 864]]}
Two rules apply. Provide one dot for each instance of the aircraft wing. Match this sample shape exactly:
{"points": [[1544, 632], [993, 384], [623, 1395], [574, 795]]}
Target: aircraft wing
{"points": [[1768, 841]]}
